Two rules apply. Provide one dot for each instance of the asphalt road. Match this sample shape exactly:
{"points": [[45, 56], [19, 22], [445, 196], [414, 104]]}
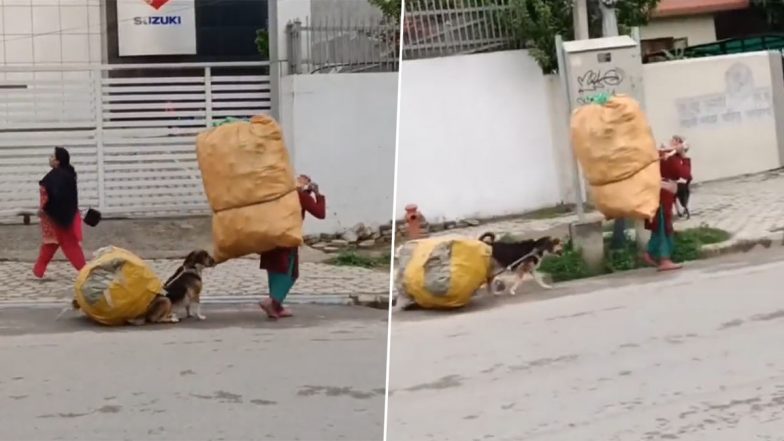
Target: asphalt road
{"points": [[693, 355], [236, 376]]}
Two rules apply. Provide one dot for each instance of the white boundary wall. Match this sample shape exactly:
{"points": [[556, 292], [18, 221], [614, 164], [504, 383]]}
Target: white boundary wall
{"points": [[340, 129], [487, 135]]}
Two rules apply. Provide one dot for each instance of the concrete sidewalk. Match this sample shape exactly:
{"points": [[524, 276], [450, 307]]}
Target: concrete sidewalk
{"points": [[164, 243], [750, 208]]}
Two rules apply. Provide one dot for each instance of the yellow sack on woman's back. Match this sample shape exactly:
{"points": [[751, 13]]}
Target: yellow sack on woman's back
{"points": [[443, 272], [249, 182], [614, 145], [115, 287]]}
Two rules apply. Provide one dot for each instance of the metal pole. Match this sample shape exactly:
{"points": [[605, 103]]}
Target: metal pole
{"points": [[576, 184], [610, 29], [580, 16], [274, 62], [609, 18]]}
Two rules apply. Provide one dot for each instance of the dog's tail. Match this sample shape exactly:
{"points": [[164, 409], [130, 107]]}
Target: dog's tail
{"points": [[488, 238]]}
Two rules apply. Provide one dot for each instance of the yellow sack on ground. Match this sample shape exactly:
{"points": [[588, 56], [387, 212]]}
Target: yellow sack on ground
{"points": [[249, 183], [615, 147], [115, 287], [443, 272]]}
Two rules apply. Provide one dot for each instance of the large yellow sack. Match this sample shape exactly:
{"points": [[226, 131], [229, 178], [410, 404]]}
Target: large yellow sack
{"points": [[615, 147], [115, 287], [249, 183], [636, 197], [443, 272]]}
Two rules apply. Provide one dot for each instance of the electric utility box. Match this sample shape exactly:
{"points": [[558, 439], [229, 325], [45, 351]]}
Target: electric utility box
{"points": [[610, 64]]}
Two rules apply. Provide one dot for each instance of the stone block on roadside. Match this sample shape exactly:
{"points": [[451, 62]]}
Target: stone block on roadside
{"points": [[435, 227], [349, 236], [340, 243], [370, 243], [310, 239], [319, 245]]}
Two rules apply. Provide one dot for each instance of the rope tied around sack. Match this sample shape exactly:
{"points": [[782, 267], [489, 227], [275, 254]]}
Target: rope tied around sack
{"points": [[227, 120], [601, 98]]}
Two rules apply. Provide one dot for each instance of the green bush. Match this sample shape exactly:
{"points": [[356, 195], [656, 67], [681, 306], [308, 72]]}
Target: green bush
{"points": [[624, 258], [689, 242], [688, 246], [568, 266], [352, 258]]}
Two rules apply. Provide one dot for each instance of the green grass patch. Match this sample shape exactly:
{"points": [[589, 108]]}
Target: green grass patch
{"points": [[352, 258], [688, 246], [689, 242], [624, 258], [568, 266]]}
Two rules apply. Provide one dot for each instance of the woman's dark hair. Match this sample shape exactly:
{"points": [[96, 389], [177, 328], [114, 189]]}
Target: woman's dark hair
{"points": [[64, 158]]}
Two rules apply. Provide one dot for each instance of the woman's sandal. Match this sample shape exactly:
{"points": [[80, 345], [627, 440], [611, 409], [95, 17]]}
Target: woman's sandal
{"points": [[669, 265], [268, 307], [649, 260]]}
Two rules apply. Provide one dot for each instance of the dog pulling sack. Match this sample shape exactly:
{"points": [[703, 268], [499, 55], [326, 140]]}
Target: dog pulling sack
{"points": [[115, 287], [614, 144], [442, 272], [250, 186]]}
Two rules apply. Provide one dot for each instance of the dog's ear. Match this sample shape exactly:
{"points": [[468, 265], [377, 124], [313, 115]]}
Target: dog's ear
{"points": [[191, 258]]}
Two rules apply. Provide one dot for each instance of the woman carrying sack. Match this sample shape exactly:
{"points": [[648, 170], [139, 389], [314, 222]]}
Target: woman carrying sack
{"points": [[674, 166], [282, 264], [61, 223]]}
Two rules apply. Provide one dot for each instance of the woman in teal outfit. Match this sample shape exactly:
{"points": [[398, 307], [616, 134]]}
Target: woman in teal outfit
{"points": [[674, 166], [282, 264]]}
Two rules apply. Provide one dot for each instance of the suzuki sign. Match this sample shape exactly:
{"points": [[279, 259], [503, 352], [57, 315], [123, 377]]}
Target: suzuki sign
{"points": [[156, 27]]}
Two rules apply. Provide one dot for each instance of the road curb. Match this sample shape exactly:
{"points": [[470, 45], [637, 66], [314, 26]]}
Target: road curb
{"points": [[741, 245], [376, 301]]}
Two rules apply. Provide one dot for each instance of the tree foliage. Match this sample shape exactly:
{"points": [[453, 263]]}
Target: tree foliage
{"points": [[773, 11], [262, 43], [390, 8], [537, 22]]}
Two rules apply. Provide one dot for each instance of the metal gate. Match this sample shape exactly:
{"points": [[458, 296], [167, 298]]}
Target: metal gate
{"points": [[130, 129]]}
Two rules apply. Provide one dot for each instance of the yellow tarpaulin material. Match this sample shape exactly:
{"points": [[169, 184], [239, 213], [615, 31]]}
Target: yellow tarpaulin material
{"points": [[249, 183], [443, 272], [115, 287], [615, 147]]}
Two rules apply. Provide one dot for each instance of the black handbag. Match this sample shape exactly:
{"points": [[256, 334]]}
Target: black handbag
{"points": [[92, 217]]}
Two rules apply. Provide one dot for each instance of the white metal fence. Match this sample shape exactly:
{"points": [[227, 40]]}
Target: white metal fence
{"points": [[130, 129], [342, 47], [439, 28]]}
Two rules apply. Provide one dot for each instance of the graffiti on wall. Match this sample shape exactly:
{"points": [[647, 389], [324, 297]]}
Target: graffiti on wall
{"points": [[740, 101], [593, 81]]}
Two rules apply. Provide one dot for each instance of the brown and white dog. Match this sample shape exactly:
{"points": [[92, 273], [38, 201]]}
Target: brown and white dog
{"points": [[523, 256], [183, 290]]}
